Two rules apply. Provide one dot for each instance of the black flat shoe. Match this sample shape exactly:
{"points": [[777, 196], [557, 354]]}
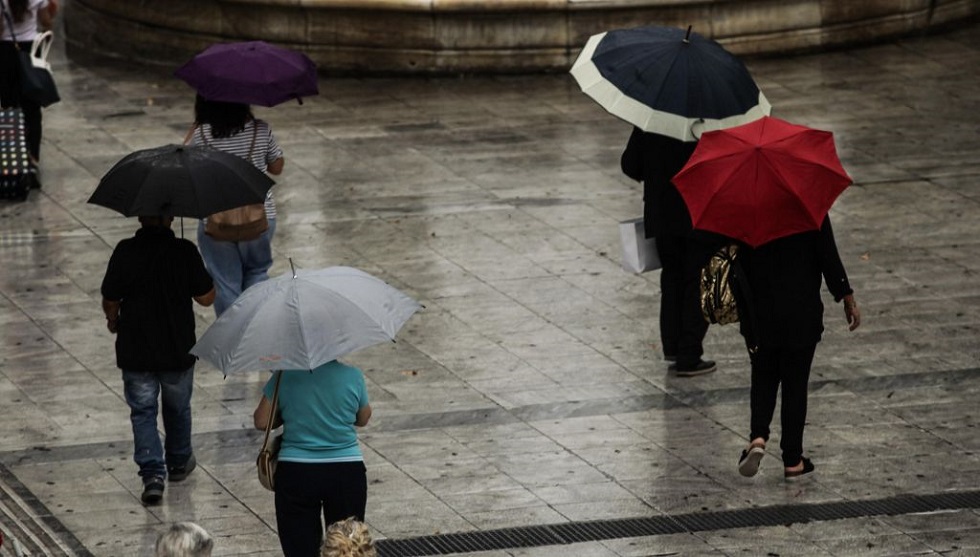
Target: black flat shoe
{"points": [[700, 368], [748, 463], [807, 469]]}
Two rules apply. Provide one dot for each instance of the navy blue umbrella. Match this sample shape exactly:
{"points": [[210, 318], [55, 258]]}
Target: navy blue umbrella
{"points": [[668, 81]]}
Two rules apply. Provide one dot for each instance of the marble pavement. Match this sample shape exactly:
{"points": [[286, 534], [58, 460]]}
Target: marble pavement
{"points": [[530, 390]]}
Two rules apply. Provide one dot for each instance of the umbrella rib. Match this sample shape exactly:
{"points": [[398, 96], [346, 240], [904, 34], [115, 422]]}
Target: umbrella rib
{"points": [[783, 184]]}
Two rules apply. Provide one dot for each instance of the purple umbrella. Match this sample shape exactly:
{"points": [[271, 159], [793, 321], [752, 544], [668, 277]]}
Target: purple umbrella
{"points": [[252, 72]]}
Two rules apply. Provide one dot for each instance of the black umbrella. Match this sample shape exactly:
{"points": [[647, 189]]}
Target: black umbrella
{"points": [[180, 181], [667, 81]]}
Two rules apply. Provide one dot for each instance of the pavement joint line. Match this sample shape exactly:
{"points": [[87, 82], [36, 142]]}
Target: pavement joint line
{"points": [[497, 415]]}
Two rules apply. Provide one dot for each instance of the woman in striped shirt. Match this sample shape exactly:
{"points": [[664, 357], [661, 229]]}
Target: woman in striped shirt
{"points": [[232, 128]]}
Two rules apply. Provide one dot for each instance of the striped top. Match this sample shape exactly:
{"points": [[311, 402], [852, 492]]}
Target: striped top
{"points": [[25, 30], [266, 149]]}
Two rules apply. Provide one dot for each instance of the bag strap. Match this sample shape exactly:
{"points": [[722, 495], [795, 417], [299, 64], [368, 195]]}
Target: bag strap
{"points": [[10, 22], [190, 133], [42, 45], [272, 416], [251, 146]]}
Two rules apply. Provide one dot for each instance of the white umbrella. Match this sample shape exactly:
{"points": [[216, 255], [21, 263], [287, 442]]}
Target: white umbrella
{"points": [[303, 319]]}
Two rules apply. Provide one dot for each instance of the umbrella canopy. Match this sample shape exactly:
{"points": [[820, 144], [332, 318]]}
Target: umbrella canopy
{"points": [[253, 72], [762, 180], [667, 81], [180, 181], [303, 319]]}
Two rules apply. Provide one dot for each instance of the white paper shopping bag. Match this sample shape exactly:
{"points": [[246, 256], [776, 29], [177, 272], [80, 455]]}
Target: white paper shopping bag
{"points": [[639, 253]]}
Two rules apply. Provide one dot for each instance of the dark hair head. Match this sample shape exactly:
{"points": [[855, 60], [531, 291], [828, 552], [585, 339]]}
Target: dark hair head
{"points": [[155, 220], [18, 9], [225, 118]]}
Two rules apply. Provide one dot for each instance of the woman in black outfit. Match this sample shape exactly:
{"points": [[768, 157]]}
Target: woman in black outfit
{"points": [[24, 19], [654, 159], [782, 324]]}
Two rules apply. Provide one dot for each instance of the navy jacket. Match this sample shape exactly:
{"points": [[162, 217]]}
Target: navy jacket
{"points": [[654, 159]]}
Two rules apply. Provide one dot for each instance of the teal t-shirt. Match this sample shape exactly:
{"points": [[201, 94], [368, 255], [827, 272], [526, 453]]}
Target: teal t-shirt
{"points": [[318, 411]]}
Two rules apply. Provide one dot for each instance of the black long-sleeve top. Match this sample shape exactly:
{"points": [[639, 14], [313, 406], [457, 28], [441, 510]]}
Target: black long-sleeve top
{"points": [[654, 160], [784, 279]]}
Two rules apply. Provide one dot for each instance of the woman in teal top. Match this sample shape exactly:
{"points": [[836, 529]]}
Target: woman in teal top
{"points": [[321, 467]]}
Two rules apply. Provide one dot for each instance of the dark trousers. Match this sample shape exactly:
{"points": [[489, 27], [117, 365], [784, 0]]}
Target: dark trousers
{"points": [[338, 490], [682, 327], [789, 367], [10, 95]]}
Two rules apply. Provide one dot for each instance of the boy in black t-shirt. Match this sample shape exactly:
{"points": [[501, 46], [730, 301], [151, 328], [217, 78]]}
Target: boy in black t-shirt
{"points": [[147, 296]]}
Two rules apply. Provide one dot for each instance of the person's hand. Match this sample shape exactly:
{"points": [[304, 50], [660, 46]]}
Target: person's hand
{"points": [[851, 312], [112, 325]]}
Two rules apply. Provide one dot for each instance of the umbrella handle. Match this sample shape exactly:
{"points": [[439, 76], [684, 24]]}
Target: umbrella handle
{"points": [[697, 128]]}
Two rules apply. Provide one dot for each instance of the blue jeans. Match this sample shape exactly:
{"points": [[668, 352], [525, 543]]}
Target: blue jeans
{"points": [[142, 390], [235, 266]]}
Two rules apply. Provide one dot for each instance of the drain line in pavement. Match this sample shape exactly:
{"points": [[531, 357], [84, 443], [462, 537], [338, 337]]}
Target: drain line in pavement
{"points": [[575, 532], [28, 526]]}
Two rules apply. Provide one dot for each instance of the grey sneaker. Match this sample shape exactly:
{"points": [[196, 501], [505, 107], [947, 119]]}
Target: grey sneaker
{"points": [[180, 473], [152, 490]]}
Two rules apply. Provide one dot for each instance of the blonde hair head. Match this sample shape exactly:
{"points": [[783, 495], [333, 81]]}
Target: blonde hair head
{"points": [[348, 538], [185, 539]]}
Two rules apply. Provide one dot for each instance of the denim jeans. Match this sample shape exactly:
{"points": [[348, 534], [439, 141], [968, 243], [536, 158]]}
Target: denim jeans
{"points": [[235, 266], [144, 390]]}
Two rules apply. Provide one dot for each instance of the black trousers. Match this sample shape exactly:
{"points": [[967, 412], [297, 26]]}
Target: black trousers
{"points": [[789, 367], [682, 327], [10, 95], [338, 490]]}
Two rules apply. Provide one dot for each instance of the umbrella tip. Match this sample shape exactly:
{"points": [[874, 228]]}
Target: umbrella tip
{"points": [[687, 37], [292, 267]]}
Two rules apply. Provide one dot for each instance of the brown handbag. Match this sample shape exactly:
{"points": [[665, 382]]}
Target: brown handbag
{"points": [[240, 224], [269, 454]]}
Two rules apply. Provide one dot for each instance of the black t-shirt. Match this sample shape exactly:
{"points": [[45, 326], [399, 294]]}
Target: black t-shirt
{"points": [[155, 276]]}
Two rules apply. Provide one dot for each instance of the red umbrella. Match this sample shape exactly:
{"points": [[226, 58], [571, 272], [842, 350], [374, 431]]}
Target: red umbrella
{"points": [[762, 180]]}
